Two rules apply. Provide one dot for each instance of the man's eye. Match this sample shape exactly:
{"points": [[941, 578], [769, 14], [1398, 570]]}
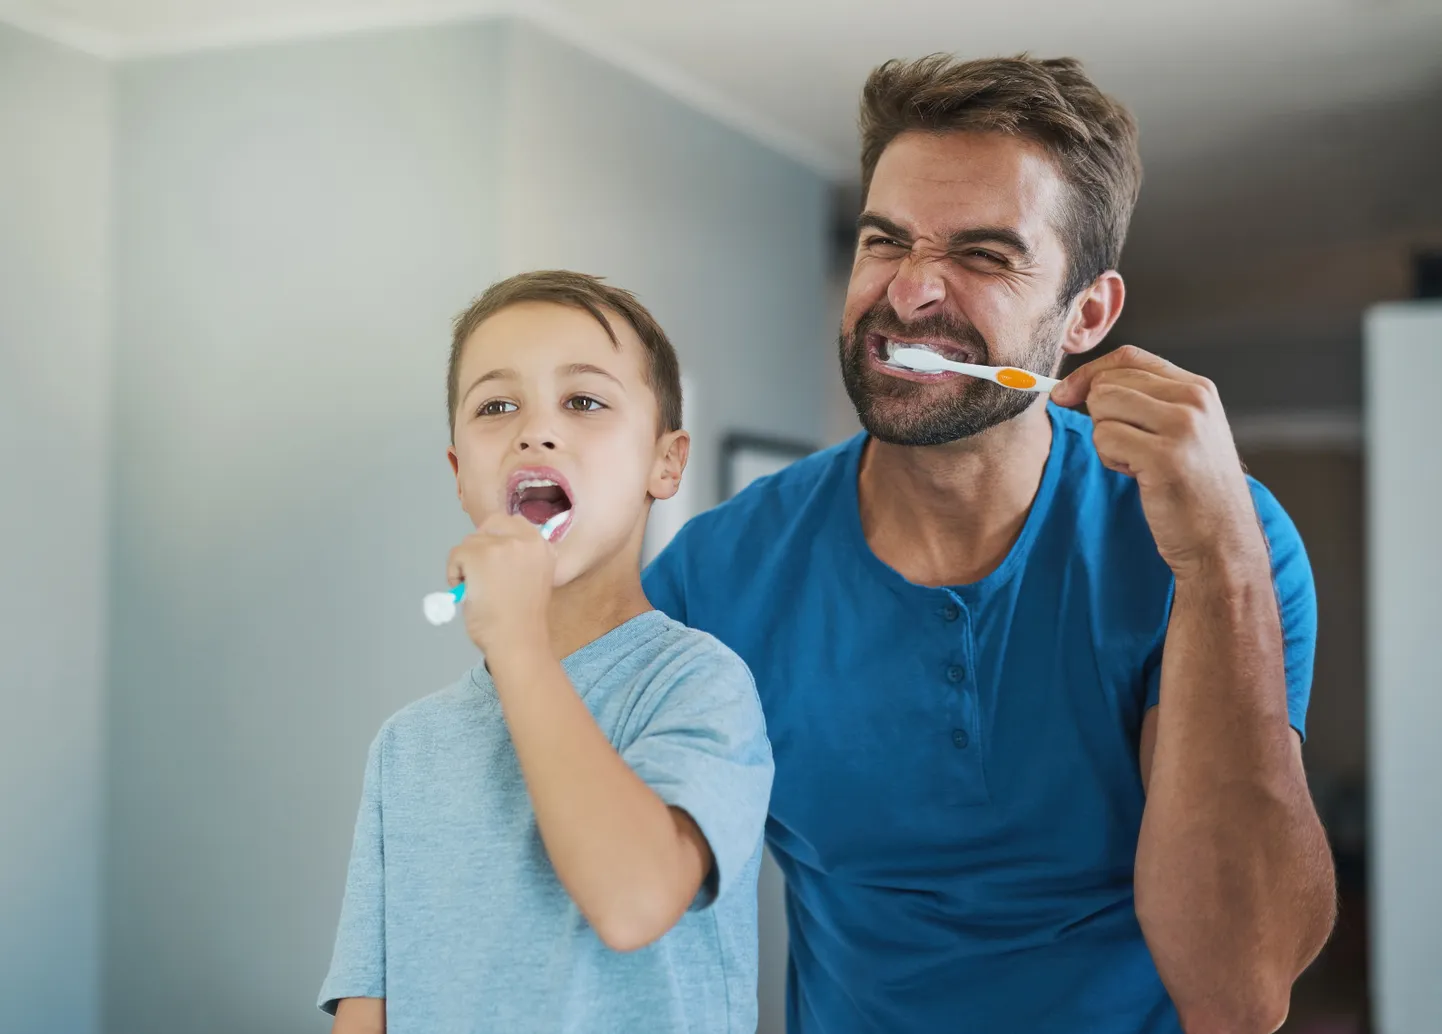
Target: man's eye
{"points": [[884, 243], [985, 256], [496, 407], [584, 404]]}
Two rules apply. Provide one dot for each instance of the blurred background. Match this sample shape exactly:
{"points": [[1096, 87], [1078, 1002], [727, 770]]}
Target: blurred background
{"points": [[232, 236]]}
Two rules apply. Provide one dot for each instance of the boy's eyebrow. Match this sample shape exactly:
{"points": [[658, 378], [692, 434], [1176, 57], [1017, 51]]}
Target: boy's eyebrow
{"points": [[502, 374], [579, 368], [573, 369]]}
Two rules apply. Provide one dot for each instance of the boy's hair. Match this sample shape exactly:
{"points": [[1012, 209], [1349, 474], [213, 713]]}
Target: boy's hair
{"points": [[578, 291], [1091, 137]]}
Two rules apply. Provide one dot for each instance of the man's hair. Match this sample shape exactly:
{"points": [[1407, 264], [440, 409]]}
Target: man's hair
{"points": [[578, 291], [1091, 136]]}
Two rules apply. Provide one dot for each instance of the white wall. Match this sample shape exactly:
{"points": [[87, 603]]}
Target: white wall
{"points": [[723, 239], [296, 226], [1404, 491], [54, 398]]}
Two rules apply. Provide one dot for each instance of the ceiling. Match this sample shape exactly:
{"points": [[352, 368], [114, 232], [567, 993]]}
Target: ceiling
{"points": [[1197, 72]]}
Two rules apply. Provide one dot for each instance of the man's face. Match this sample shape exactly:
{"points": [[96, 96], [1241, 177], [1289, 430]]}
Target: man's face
{"points": [[546, 397], [957, 251]]}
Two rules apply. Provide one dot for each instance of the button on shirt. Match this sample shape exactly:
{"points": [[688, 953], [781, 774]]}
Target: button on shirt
{"points": [[957, 797]]}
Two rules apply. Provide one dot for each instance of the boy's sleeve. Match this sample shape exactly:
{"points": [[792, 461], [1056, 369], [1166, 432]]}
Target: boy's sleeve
{"points": [[357, 968], [1296, 602], [704, 750]]}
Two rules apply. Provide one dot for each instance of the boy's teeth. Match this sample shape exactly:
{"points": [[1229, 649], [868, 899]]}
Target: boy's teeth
{"points": [[536, 483]]}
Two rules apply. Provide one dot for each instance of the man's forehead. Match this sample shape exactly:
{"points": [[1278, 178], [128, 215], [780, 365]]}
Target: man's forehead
{"points": [[944, 182]]}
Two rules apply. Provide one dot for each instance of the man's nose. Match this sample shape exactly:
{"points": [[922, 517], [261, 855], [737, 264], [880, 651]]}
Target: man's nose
{"points": [[918, 288]]}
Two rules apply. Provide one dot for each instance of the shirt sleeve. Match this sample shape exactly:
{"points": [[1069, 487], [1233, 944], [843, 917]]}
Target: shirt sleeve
{"points": [[1296, 602], [357, 968], [703, 749]]}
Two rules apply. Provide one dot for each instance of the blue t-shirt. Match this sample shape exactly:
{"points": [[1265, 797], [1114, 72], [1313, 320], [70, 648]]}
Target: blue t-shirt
{"points": [[453, 913], [958, 794]]}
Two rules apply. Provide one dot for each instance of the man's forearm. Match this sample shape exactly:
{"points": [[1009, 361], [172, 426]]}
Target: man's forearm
{"points": [[1234, 887], [628, 861]]}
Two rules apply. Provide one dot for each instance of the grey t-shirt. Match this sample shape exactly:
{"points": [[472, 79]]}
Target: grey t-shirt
{"points": [[452, 911]]}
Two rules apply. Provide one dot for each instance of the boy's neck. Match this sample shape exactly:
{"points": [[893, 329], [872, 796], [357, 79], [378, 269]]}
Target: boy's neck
{"points": [[589, 607]]}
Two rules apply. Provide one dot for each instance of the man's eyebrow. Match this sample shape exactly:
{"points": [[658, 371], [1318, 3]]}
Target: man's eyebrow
{"points": [[1002, 235], [961, 239], [876, 221]]}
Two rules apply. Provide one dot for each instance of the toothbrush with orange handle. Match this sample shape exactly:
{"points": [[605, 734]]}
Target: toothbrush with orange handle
{"points": [[920, 360]]}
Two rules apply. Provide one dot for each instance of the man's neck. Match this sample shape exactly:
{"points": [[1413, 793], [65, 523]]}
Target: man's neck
{"points": [[948, 515]]}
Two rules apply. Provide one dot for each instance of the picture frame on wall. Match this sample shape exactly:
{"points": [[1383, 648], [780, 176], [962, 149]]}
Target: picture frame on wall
{"points": [[746, 456]]}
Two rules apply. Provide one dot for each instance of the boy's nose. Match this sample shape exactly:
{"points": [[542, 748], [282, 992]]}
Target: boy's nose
{"points": [[535, 440]]}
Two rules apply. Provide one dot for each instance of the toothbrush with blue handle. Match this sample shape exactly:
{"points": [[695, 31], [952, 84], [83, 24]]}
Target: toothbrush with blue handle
{"points": [[440, 607]]}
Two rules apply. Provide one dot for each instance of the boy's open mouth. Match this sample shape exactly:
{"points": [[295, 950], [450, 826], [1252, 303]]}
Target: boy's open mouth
{"points": [[538, 494]]}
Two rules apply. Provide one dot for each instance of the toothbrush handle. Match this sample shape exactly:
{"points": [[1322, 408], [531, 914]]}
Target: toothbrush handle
{"points": [[458, 592]]}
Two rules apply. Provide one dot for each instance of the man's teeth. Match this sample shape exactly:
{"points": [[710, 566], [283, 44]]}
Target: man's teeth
{"points": [[892, 346], [536, 483]]}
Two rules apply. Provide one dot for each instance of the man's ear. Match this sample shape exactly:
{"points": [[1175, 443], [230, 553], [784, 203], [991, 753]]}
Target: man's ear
{"points": [[672, 451], [1093, 313]]}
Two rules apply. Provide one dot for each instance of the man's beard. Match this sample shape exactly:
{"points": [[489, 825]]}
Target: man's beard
{"points": [[904, 412]]}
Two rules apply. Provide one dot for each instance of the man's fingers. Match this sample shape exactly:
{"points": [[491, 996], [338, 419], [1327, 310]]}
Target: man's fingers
{"points": [[1123, 447], [1145, 400], [1074, 389], [1127, 405]]}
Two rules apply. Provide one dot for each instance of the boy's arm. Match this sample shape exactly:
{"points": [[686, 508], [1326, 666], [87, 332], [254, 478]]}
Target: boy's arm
{"points": [[632, 864], [631, 839], [360, 1016]]}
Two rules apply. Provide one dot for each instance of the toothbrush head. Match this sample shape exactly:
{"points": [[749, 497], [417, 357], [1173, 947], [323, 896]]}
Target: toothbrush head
{"points": [[439, 607], [918, 359], [550, 527]]}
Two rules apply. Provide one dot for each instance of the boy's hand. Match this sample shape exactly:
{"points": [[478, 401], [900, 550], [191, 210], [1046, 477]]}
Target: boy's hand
{"points": [[508, 569]]}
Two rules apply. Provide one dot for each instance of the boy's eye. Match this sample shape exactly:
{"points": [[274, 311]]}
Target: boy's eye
{"points": [[584, 404], [496, 407]]}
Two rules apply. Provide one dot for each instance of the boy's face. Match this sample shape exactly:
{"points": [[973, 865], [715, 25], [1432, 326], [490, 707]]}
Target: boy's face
{"points": [[545, 396]]}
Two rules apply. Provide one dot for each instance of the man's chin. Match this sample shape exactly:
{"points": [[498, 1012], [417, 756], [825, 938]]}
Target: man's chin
{"points": [[914, 424]]}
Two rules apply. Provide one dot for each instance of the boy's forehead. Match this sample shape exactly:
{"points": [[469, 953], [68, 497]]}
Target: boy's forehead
{"points": [[552, 334]]}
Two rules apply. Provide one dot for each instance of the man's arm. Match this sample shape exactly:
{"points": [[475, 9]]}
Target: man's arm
{"points": [[1234, 886], [1234, 883], [360, 1016]]}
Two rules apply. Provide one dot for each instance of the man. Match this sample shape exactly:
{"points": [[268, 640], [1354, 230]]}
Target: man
{"points": [[1035, 681]]}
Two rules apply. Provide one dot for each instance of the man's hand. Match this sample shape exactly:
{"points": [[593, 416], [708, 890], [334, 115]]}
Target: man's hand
{"points": [[1166, 428], [509, 570]]}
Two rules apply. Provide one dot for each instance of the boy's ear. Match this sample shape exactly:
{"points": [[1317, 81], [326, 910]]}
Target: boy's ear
{"points": [[672, 451], [456, 470]]}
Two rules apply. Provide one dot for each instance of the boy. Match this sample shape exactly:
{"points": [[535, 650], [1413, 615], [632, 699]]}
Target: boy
{"points": [[569, 838]]}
